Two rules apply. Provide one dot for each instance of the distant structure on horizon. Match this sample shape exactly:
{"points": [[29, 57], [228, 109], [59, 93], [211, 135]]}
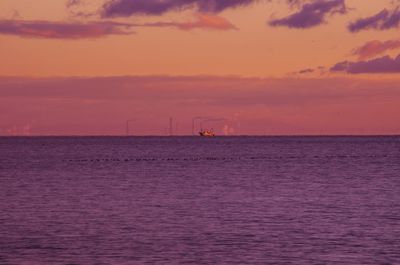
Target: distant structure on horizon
{"points": [[200, 118], [171, 124], [207, 133], [127, 126]]}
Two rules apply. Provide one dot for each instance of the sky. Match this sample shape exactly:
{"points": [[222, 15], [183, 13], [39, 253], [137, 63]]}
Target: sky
{"points": [[241, 67]]}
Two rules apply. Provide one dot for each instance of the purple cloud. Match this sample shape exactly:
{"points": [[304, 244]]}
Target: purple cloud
{"points": [[311, 14], [62, 30], [90, 30], [125, 8], [384, 64], [383, 20]]}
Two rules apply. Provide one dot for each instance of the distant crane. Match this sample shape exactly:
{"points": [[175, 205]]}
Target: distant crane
{"points": [[194, 122], [171, 125], [211, 120], [127, 126]]}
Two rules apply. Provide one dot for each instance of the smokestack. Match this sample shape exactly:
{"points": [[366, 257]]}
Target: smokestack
{"points": [[171, 126], [128, 131]]}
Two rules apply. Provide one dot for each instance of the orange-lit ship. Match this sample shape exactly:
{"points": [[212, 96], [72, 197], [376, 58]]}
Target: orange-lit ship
{"points": [[207, 133]]}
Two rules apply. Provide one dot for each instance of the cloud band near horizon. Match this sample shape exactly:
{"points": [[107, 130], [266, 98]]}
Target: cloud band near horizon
{"points": [[382, 65], [101, 105]]}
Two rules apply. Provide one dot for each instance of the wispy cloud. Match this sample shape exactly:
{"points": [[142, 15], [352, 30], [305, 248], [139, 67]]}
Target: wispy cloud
{"points": [[98, 29], [214, 90], [203, 21], [306, 71], [311, 14], [63, 30], [383, 20], [125, 8], [375, 47], [383, 65]]}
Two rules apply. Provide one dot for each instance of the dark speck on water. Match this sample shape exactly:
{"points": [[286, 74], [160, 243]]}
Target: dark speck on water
{"points": [[193, 200]]}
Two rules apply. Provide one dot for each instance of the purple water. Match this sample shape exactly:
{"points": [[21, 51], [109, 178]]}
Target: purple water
{"points": [[192, 200]]}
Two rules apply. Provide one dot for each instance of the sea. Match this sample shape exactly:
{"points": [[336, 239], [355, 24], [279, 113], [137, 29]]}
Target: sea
{"points": [[197, 200]]}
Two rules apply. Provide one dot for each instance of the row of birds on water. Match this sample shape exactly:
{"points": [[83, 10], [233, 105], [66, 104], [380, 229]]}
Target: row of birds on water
{"points": [[208, 158]]}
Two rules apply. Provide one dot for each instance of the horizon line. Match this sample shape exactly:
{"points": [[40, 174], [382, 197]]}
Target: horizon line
{"points": [[197, 136]]}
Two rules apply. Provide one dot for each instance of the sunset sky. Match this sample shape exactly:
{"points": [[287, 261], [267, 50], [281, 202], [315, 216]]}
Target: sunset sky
{"points": [[267, 67]]}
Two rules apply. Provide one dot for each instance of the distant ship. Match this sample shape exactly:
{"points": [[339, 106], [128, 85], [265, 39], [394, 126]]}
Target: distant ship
{"points": [[207, 133]]}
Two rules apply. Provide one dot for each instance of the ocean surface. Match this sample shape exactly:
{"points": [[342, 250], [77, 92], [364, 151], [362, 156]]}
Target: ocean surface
{"points": [[193, 200]]}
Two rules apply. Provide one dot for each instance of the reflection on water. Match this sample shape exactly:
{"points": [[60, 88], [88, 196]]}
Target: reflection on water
{"points": [[173, 200]]}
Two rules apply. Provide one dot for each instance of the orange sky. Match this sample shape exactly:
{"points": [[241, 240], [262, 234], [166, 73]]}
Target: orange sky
{"points": [[254, 50], [236, 42]]}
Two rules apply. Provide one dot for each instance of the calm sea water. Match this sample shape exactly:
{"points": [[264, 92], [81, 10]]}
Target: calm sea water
{"points": [[192, 200]]}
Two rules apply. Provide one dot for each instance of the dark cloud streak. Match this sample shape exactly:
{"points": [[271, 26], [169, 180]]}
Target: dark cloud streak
{"points": [[125, 8], [383, 20], [91, 30], [382, 65], [311, 14], [63, 30]]}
